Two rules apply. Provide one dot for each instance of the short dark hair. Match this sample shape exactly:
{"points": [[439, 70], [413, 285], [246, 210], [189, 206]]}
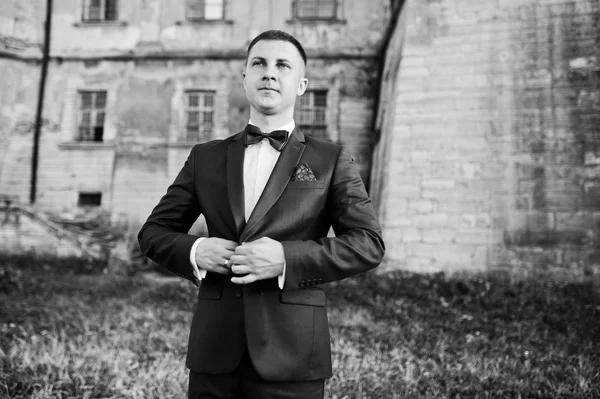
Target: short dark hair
{"points": [[278, 35]]}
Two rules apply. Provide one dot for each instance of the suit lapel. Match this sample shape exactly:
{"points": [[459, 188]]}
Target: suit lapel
{"points": [[235, 180], [282, 172]]}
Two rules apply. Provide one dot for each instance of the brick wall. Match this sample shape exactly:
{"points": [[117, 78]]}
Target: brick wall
{"points": [[490, 146]]}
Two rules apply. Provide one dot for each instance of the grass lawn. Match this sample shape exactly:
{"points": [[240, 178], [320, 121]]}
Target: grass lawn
{"points": [[69, 331]]}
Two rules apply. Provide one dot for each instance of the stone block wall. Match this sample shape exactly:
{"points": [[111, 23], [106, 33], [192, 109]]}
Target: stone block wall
{"points": [[491, 137]]}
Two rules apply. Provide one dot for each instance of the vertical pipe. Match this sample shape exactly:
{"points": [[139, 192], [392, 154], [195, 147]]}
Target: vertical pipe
{"points": [[40, 102]]}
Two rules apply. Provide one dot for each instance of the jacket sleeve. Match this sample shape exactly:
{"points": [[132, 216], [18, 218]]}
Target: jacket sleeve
{"points": [[358, 245], [164, 237]]}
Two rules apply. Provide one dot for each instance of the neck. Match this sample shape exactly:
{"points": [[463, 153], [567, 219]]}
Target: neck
{"points": [[268, 123]]}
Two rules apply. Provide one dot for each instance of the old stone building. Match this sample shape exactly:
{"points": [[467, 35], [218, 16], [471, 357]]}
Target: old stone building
{"points": [[478, 140], [490, 122], [132, 85]]}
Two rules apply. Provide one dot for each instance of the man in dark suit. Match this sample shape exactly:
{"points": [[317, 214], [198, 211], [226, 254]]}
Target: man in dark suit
{"points": [[260, 326]]}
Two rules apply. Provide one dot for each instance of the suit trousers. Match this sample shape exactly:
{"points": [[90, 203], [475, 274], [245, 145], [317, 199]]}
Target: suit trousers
{"points": [[245, 383]]}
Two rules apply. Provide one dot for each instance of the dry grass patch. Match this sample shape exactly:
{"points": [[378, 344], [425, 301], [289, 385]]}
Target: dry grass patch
{"points": [[69, 331]]}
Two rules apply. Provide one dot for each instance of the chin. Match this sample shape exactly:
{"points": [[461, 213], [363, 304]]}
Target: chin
{"points": [[267, 109]]}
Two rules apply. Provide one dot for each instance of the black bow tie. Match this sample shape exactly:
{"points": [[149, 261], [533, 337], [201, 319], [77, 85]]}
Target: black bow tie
{"points": [[254, 135]]}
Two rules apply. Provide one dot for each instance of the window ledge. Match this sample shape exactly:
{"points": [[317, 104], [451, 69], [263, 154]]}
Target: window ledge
{"points": [[201, 21], [85, 145], [314, 21], [117, 23]]}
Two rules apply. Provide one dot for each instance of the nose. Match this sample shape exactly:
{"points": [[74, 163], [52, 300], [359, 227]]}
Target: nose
{"points": [[269, 73]]}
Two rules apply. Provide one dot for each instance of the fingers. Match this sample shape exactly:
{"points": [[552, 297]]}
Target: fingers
{"points": [[250, 278], [237, 259], [241, 269], [225, 244]]}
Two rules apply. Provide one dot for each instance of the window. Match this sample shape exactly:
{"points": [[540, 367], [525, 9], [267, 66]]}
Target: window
{"points": [[199, 10], [315, 9], [311, 113], [92, 110], [99, 10], [89, 199], [199, 115]]}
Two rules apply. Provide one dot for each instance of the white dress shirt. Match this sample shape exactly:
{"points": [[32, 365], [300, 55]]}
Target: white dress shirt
{"points": [[259, 161]]}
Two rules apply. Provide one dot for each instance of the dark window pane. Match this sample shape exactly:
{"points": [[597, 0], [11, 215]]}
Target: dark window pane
{"points": [[305, 117], [195, 9], [316, 8], [110, 13], [100, 119], [90, 199], [208, 100], [193, 100], [193, 118], [94, 14], [100, 100], [320, 98], [86, 100], [84, 133], [207, 117], [85, 118], [319, 117], [98, 133], [326, 9]]}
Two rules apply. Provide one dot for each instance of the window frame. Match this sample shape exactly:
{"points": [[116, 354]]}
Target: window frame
{"points": [[336, 16], [86, 6], [201, 133], [94, 110], [307, 104], [205, 5]]}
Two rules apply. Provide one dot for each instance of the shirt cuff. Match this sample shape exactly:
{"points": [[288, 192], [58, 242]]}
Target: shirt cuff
{"points": [[281, 278], [198, 273]]}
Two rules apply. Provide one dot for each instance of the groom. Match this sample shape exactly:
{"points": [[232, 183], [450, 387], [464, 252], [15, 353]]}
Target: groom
{"points": [[269, 195]]}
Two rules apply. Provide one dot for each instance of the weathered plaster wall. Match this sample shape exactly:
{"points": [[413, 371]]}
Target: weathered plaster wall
{"points": [[18, 101], [145, 62], [492, 160], [160, 26], [144, 123]]}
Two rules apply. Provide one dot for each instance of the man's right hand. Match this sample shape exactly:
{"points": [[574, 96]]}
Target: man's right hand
{"points": [[213, 254]]}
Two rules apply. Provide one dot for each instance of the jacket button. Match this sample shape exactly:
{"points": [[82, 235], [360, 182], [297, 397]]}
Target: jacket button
{"points": [[238, 293]]}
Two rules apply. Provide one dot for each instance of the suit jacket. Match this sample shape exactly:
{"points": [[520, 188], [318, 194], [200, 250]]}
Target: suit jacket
{"points": [[285, 331]]}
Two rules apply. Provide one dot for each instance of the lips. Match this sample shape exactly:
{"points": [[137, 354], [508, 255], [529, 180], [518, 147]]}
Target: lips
{"points": [[269, 89]]}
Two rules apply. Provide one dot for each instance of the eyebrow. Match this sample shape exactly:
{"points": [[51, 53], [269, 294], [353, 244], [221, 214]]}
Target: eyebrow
{"points": [[277, 60]]}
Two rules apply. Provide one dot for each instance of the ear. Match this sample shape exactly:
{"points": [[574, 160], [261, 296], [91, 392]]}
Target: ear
{"points": [[302, 86], [244, 79]]}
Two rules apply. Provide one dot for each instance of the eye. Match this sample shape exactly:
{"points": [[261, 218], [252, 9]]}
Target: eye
{"points": [[257, 62], [282, 65]]}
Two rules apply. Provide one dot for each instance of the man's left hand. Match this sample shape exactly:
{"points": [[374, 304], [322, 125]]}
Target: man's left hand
{"points": [[258, 260]]}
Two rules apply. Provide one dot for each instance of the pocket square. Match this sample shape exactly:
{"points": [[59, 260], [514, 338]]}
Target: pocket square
{"points": [[303, 173]]}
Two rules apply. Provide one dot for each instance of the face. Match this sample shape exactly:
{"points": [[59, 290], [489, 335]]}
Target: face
{"points": [[274, 77]]}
